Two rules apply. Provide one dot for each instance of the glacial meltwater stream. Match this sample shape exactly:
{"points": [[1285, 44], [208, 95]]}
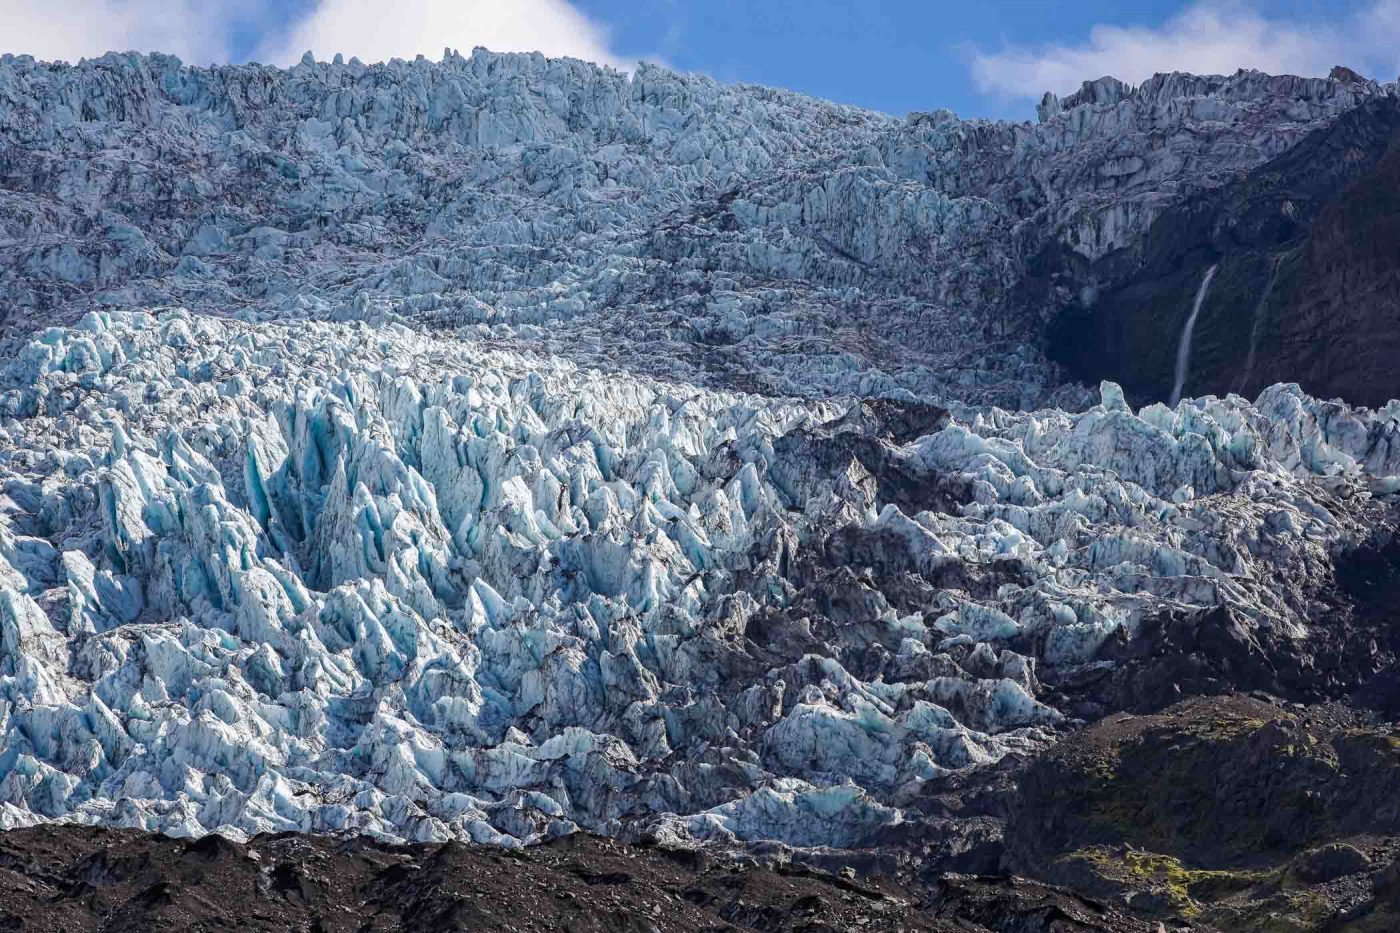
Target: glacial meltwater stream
{"points": [[1256, 323], [1183, 350]]}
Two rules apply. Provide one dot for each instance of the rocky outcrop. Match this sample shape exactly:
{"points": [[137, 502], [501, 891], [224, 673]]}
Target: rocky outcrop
{"points": [[1233, 813], [74, 879]]}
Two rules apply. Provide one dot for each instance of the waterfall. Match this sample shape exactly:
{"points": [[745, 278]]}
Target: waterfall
{"points": [[1256, 322], [1183, 350]]}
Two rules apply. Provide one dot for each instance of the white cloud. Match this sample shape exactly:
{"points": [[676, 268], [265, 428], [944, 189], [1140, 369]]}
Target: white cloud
{"points": [[73, 29], [377, 30], [1209, 37], [201, 31]]}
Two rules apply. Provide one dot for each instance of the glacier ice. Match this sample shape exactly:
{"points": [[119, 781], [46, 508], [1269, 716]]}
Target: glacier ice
{"points": [[735, 236], [490, 448], [336, 576]]}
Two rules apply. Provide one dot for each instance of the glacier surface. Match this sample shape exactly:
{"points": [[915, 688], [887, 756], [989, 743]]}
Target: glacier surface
{"points": [[340, 577], [491, 448], [731, 235]]}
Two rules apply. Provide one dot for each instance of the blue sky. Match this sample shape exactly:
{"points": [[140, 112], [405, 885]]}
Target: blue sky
{"points": [[981, 58], [893, 55], [902, 55]]}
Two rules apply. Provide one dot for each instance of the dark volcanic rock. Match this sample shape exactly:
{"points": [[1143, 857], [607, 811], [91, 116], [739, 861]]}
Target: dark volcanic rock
{"points": [[78, 878], [1307, 288]]}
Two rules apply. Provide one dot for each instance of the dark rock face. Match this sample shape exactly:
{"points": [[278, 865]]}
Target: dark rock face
{"points": [[1307, 287]]}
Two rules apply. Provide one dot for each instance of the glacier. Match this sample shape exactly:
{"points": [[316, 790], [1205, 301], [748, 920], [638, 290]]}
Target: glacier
{"points": [[735, 236], [491, 448], [338, 577]]}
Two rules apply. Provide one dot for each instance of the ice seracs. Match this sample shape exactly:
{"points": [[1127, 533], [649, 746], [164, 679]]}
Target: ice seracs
{"points": [[732, 236], [339, 577]]}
